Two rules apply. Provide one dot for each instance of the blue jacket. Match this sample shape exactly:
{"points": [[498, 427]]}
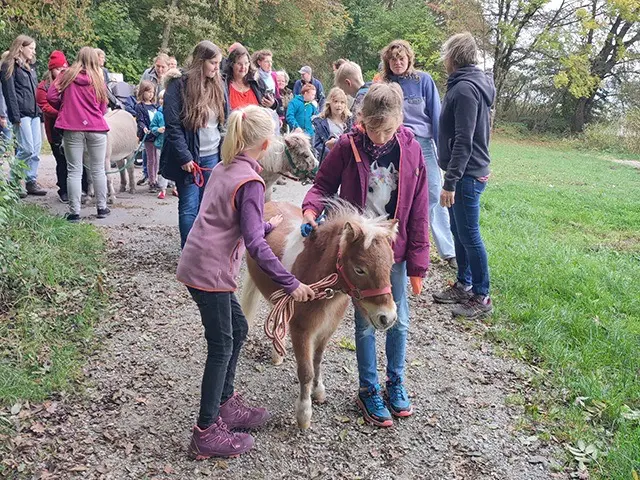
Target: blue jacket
{"points": [[320, 98], [299, 114], [322, 134], [156, 123], [421, 104], [181, 145]]}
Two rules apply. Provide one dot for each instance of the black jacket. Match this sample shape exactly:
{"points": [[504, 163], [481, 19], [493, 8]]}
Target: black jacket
{"points": [[181, 145], [463, 147], [20, 92], [323, 134]]}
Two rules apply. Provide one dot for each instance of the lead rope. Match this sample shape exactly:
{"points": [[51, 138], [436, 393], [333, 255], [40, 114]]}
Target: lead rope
{"points": [[278, 320]]}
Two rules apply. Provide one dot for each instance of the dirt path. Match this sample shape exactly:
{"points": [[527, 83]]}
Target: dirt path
{"points": [[135, 418]]}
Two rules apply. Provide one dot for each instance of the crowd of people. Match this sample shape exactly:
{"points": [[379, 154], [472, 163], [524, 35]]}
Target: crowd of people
{"points": [[394, 133]]}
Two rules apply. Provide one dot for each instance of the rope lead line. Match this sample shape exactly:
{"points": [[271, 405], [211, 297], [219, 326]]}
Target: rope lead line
{"points": [[278, 320]]}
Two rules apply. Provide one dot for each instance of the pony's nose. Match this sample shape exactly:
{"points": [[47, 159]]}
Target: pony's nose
{"points": [[386, 320]]}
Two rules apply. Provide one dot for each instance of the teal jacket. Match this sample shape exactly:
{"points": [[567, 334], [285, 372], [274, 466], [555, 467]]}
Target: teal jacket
{"points": [[156, 123], [299, 114]]}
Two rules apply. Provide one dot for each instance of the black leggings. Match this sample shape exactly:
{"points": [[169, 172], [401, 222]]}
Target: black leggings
{"points": [[225, 329]]}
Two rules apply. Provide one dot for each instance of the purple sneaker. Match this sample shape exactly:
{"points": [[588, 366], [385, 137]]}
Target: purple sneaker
{"points": [[239, 416], [218, 441]]}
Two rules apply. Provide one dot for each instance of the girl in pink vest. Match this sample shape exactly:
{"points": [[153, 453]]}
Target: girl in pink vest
{"points": [[229, 219]]}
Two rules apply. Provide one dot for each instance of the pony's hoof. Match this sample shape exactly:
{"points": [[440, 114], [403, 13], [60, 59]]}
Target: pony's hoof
{"points": [[303, 413], [276, 359], [319, 396], [132, 191], [304, 425]]}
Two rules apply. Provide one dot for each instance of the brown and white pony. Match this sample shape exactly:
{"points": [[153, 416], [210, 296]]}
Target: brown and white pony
{"points": [[355, 246]]}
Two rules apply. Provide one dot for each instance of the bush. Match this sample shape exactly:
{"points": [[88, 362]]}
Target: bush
{"points": [[622, 136]]}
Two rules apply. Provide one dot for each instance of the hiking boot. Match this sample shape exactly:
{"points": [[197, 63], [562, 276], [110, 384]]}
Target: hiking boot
{"points": [[399, 403], [452, 262], [370, 403], [142, 181], [218, 441], [456, 293], [103, 212], [33, 188], [237, 415], [477, 306], [72, 217], [64, 198]]}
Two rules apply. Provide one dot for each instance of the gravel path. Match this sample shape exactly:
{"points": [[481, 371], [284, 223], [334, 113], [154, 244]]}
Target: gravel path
{"points": [[134, 419]]}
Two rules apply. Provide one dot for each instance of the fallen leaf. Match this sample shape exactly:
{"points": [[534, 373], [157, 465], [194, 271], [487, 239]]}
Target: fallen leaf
{"points": [[374, 453], [128, 448], [37, 428], [168, 469], [342, 419], [343, 435], [360, 421], [141, 400], [16, 409], [222, 465], [50, 407], [416, 363], [79, 468], [102, 468]]}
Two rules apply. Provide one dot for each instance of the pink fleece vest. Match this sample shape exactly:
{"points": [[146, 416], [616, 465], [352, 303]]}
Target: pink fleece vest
{"points": [[212, 256]]}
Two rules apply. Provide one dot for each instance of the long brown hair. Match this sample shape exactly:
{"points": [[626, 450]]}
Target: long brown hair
{"points": [[234, 57], [202, 94], [87, 61], [21, 41]]}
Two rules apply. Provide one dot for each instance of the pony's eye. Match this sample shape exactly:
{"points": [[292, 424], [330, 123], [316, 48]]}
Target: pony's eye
{"points": [[359, 271]]}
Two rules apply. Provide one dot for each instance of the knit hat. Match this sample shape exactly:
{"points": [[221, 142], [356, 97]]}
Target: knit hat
{"points": [[57, 60]]}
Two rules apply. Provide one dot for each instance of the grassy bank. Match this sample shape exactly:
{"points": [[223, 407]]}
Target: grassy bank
{"points": [[563, 232], [50, 297]]}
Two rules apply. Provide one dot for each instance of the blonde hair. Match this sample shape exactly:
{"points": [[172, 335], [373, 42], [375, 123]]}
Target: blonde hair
{"points": [[348, 71], [392, 50], [87, 61], [246, 128], [460, 50], [336, 93], [20, 42], [383, 102]]}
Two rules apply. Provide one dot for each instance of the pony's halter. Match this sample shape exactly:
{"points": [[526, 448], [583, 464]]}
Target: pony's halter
{"points": [[305, 176], [352, 290]]}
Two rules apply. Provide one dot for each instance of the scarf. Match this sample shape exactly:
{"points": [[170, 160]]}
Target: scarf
{"points": [[267, 79], [374, 151]]}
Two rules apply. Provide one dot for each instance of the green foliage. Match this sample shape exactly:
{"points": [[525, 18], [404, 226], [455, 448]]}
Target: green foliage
{"points": [[563, 235], [118, 35], [373, 25], [9, 187], [621, 136], [50, 294]]}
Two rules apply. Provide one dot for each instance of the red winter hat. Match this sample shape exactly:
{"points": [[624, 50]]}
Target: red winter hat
{"points": [[57, 60]]}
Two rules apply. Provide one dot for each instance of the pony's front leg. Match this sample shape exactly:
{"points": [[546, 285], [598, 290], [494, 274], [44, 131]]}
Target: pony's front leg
{"points": [[318, 392], [276, 358], [305, 377]]}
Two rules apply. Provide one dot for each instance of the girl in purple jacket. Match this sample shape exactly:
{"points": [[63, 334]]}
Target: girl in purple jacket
{"points": [[230, 218], [379, 166]]}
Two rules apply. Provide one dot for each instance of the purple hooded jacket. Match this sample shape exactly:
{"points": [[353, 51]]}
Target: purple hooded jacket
{"points": [[340, 170]]}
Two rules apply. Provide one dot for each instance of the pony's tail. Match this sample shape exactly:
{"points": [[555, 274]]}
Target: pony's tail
{"points": [[250, 300]]}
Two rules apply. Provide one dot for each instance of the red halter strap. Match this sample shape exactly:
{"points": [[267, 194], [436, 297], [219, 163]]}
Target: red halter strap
{"points": [[354, 292]]}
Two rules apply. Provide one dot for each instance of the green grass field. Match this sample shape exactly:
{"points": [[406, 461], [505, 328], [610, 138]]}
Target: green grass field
{"points": [[50, 297], [562, 229]]}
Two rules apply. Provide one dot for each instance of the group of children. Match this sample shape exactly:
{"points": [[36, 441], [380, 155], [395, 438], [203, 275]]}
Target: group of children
{"points": [[151, 131]]}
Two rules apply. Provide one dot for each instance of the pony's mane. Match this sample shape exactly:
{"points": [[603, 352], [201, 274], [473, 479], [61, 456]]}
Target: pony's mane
{"points": [[339, 210]]}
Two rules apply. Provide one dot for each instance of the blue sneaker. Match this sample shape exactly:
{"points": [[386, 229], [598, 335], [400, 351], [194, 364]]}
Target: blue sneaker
{"points": [[373, 409], [398, 399]]}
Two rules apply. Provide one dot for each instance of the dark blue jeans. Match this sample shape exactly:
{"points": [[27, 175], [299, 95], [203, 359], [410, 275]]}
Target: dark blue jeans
{"points": [[225, 328], [190, 196], [473, 266]]}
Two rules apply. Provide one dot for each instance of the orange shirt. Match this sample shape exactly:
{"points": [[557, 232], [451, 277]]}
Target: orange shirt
{"points": [[241, 99]]}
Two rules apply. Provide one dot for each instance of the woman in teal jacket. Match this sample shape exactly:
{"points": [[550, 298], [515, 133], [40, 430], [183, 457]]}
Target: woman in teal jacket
{"points": [[301, 109]]}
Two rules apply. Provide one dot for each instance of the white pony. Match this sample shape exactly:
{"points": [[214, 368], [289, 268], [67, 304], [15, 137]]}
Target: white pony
{"points": [[382, 183]]}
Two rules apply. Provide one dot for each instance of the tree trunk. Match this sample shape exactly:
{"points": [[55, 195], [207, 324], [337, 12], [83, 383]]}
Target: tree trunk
{"points": [[581, 114], [166, 33]]}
